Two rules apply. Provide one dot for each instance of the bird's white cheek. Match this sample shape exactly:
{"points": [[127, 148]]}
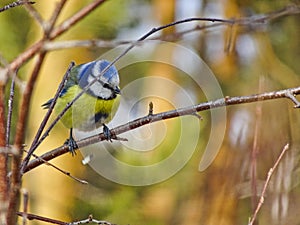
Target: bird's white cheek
{"points": [[105, 93], [99, 91]]}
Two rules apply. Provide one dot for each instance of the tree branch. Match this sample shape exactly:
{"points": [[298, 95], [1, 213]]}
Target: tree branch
{"points": [[36, 141], [57, 31], [270, 173], [30, 216], [148, 34], [43, 45], [90, 219], [151, 118], [14, 4]]}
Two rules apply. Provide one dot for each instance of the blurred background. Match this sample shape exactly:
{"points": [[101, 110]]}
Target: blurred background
{"points": [[245, 60]]}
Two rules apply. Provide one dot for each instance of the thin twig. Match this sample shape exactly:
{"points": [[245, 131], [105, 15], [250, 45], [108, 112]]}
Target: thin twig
{"points": [[60, 170], [144, 37], [150, 112], [14, 4], [58, 45], [25, 205], [21, 124], [53, 19], [19, 138], [90, 219], [245, 21], [293, 98], [10, 108], [36, 141], [255, 148], [261, 200], [67, 24], [4, 182], [35, 14], [59, 30], [40, 218], [190, 110]]}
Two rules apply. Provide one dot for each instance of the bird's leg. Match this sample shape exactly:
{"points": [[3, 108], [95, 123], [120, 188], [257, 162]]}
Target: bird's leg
{"points": [[107, 133], [71, 144]]}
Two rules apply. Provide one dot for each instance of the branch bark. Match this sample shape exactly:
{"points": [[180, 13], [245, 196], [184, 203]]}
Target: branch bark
{"points": [[151, 118]]}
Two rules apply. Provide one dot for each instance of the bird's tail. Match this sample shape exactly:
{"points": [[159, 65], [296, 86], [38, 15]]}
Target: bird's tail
{"points": [[47, 104]]}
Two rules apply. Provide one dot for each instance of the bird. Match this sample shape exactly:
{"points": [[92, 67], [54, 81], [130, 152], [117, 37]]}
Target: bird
{"points": [[96, 106]]}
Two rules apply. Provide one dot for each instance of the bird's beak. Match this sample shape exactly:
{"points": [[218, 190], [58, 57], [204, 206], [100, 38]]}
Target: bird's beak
{"points": [[117, 90]]}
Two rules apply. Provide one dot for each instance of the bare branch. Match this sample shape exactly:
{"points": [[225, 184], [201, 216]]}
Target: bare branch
{"points": [[144, 37], [10, 108], [51, 32], [255, 148], [45, 45], [245, 21], [19, 138], [35, 14], [150, 113], [57, 45], [75, 18], [36, 141], [30, 216], [190, 110], [90, 219], [56, 13], [261, 200], [38, 46], [21, 124], [293, 98], [14, 4], [60, 170], [25, 205], [3, 157]]}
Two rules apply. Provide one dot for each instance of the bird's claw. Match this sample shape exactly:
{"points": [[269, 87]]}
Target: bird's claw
{"points": [[107, 133], [71, 143]]}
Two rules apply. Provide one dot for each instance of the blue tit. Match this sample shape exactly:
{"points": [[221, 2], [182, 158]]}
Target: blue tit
{"points": [[96, 106]]}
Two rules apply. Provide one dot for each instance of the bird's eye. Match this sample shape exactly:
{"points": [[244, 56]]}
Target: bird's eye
{"points": [[106, 85]]}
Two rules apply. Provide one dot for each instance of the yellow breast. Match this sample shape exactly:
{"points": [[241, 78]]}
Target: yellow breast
{"points": [[88, 112]]}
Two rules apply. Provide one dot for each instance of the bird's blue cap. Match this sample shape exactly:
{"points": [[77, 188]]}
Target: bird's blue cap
{"points": [[94, 68]]}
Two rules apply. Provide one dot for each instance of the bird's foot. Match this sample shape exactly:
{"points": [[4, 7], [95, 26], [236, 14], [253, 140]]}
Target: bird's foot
{"points": [[107, 133], [71, 143]]}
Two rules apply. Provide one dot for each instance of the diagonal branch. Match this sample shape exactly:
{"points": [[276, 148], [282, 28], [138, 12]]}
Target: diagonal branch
{"points": [[151, 118], [270, 173], [67, 24], [245, 21], [35, 143], [57, 31], [19, 138], [153, 31], [90, 219], [14, 4], [30, 216]]}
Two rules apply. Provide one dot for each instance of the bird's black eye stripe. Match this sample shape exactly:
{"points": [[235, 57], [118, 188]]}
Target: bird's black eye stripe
{"points": [[106, 85]]}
